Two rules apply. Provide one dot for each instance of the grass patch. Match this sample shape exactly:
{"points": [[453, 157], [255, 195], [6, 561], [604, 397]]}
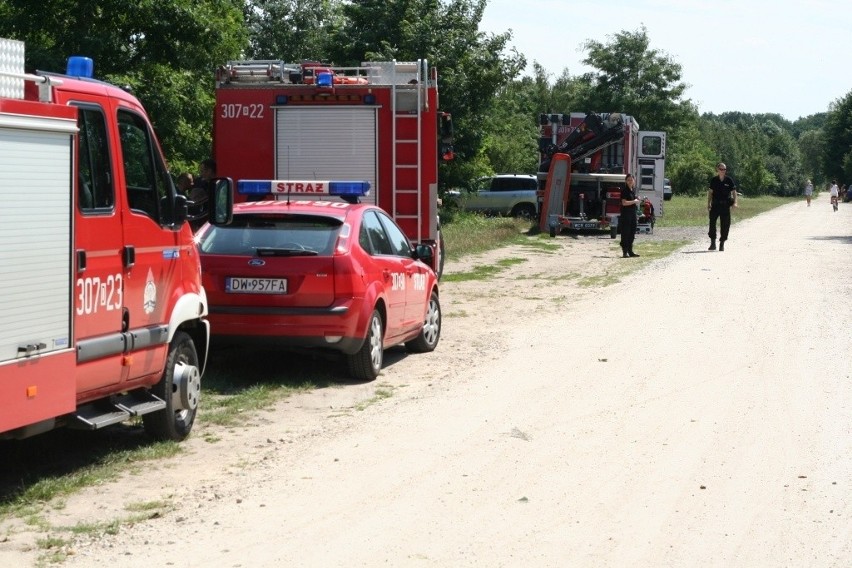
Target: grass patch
{"points": [[382, 392], [483, 271], [469, 233], [34, 495], [691, 211], [649, 251]]}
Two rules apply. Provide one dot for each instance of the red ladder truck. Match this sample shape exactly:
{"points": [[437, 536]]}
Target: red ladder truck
{"points": [[378, 122], [583, 161]]}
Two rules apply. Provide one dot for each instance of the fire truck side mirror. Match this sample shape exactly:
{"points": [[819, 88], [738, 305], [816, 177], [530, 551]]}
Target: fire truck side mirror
{"points": [[181, 210], [445, 128], [222, 212]]}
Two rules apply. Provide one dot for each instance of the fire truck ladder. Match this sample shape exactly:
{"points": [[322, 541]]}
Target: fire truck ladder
{"points": [[409, 82]]}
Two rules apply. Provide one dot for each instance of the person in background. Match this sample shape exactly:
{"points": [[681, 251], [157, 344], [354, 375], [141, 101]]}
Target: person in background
{"points": [[627, 218], [833, 192], [809, 192], [721, 196], [200, 194], [184, 183]]}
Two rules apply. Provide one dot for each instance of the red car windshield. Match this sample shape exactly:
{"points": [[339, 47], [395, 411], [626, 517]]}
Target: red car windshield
{"points": [[273, 235]]}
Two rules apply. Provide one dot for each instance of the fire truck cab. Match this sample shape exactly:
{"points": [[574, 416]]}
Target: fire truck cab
{"points": [[377, 123], [103, 316]]}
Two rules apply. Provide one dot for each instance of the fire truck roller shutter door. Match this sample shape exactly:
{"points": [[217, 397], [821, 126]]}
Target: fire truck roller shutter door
{"points": [[35, 265], [324, 142]]}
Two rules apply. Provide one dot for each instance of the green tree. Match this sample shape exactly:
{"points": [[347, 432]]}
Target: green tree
{"points": [[631, 77], [166, 51], [837, 132], [811, 147], [291, 30]]}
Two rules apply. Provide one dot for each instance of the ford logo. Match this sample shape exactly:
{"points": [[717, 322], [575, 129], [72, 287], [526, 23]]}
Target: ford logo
{"points": [[256, 262]]}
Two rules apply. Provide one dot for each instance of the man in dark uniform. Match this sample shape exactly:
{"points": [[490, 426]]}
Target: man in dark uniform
{"points": [[720, 198], [627, 219]]}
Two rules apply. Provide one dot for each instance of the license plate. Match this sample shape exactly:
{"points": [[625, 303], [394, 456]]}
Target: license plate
{"points": [[584, 225], [256, 285]]}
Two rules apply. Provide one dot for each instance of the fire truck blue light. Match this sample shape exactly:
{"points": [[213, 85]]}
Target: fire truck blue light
{"points": [[324, 80], [79, 66]]}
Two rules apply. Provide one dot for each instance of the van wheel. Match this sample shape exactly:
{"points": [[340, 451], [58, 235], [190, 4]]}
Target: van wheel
{"points": [[430, 333], [366, 364], [180, 387]]}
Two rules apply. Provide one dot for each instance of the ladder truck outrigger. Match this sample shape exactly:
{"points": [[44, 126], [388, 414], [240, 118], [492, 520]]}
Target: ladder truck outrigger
{"points": [[378, 122], [583, 162], [103, 316]]}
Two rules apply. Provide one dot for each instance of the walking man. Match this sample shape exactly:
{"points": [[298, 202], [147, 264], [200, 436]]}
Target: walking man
{"points": [[809, 192], [720, 198]]}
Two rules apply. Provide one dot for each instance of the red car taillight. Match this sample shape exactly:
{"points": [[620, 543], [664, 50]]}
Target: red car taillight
{"points": [[342, 246]]}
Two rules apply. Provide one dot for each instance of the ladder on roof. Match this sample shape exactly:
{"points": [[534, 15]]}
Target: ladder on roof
{"points": [[408, 99]]}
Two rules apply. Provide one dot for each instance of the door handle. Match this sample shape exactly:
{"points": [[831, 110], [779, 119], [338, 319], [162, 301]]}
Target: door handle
{"points": [[128, 256], [81, 260]]}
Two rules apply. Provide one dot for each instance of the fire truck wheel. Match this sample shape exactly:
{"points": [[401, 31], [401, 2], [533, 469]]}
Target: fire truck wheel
{"points": [[553, 231], [613, 230], [367, 362], [180, 387], [431, 331]]}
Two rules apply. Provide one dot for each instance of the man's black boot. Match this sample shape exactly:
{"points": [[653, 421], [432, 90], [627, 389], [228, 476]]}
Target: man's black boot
{"points": [[721, 245], [712, 244]]}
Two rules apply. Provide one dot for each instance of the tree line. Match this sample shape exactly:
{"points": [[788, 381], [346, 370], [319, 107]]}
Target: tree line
{"points": [[167, 51]]}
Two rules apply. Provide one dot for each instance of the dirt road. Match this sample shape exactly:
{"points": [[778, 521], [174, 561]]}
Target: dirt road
{"points": [[697, 413]]}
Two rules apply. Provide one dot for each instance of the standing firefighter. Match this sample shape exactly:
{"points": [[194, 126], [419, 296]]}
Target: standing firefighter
{"points": [[627, 219], [720, 198]]}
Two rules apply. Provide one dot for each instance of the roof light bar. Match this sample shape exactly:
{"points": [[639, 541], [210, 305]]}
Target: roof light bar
{"points": [[308, 187]]}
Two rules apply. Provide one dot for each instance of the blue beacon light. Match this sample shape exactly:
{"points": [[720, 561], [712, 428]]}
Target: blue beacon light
{"points": [[324, 80], [79, 66]]}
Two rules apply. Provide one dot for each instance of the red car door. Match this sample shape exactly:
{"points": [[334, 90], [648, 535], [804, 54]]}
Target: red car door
{"points": [[386, 268], [414, 275]]}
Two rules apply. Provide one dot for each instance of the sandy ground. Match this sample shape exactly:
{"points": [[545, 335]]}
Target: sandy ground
{"points": [[696, 413]]}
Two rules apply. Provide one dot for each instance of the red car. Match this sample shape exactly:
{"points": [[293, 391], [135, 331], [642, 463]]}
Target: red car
{"points": [[319, 274]]}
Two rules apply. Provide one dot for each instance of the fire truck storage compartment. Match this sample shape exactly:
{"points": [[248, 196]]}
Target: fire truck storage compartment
{"points": [[327, 142], [35, 234]]}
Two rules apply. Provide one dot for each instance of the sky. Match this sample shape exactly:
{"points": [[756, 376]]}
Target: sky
{"points": [[754, 56]]}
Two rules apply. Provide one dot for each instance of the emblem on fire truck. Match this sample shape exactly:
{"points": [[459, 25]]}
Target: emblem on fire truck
{"points": [[150, 298]]}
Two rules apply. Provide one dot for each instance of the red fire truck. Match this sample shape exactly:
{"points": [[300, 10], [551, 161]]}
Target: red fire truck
{"points": [[377, 123], [584, 158], [102, 316]]}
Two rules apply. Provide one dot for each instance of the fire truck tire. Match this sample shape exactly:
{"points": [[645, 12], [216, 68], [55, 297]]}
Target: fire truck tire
{"points": [[366, 364], [613, 230], [430, 333], [553, 231], [180, 387]]}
